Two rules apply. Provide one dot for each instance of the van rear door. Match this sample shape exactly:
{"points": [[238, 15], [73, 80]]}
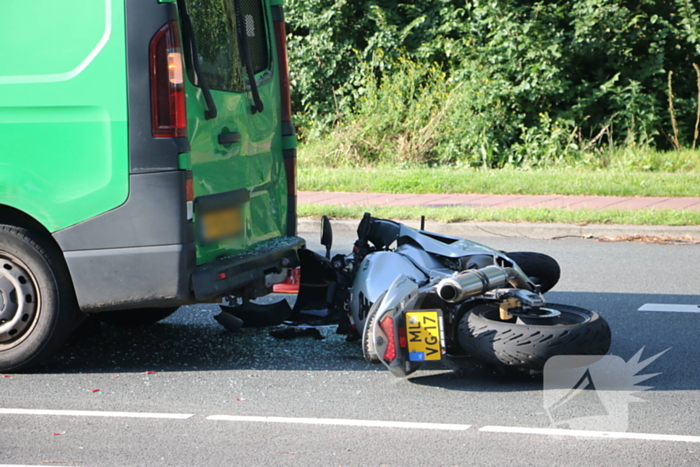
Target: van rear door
{"points": [[236, 156]]}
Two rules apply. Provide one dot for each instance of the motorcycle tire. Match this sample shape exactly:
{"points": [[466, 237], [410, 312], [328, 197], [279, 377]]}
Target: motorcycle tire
{"points": [[527, 346], [367, 346], [542, 269]]}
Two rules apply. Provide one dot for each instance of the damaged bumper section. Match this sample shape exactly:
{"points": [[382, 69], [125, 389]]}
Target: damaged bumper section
{"points": [[226, 275]]}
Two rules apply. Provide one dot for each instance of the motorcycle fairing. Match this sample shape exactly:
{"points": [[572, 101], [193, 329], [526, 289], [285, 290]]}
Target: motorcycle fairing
{"points": [[402, 295], [377, 273], [383, 233]]}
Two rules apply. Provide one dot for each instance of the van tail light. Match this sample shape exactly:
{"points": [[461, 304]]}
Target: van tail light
{"points": [[189, 189], [168, 112], [189, 195]]}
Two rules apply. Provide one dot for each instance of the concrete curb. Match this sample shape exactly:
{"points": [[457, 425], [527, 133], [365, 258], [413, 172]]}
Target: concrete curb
{"points": [[516, 229]]}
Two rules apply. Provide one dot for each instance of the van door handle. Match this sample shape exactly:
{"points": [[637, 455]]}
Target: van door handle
{"points": [[229, 138]]}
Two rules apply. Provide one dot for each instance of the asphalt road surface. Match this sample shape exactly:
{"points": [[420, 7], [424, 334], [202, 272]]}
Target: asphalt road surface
{"points": [[187, 392]]}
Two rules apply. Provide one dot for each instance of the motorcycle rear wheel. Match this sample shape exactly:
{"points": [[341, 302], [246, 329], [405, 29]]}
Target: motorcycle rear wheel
{"points": [[527, 346], [368, 349]]}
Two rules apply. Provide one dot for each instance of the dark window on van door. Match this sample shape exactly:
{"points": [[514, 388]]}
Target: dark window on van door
{"points": [[255, 30], [214, 24]]}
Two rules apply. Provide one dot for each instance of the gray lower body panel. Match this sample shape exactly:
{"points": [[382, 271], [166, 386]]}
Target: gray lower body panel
{"points": [[122, 278], [142, 253]]}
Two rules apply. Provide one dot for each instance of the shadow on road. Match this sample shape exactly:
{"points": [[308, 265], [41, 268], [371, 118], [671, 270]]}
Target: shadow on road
{"points": [[191, 340]]}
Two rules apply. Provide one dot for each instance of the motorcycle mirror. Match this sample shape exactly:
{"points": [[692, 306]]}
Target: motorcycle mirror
{"points": [[363, 228], [326, 235]]}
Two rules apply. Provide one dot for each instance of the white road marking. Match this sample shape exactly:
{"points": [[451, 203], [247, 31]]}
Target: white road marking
{"points": [[590, 434], [341, 422], [670, 308], [363, 423], [95, 413]]}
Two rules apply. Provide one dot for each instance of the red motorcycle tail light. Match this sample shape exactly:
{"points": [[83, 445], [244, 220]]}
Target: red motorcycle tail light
{"points": [[387, 325]]}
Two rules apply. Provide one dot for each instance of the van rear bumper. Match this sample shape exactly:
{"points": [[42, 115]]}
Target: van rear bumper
{"points": [[227, 275], [166, 275]]}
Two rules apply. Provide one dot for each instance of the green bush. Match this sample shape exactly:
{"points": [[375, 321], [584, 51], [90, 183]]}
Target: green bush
{"points": [[492, 83]]}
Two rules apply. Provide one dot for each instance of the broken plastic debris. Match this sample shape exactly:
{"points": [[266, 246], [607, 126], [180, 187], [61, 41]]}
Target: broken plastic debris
{"points": [[290, 284], [148, 373], [6, 376], [239, 399], [58, 434], [294, 332], [95, 390]]}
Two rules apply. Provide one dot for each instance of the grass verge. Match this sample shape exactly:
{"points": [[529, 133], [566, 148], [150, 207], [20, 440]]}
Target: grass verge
{"points": [[461, 214], [505, 181]]}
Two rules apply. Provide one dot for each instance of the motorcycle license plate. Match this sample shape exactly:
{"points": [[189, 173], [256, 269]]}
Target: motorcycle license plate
{"points": [[423, 335]]}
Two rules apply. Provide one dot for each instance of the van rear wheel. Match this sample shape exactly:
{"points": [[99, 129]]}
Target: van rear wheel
{"points": [[37, 304]]}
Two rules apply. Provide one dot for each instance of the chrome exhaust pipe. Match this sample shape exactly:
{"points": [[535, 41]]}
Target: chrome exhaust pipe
{"points": [[475, 282]]}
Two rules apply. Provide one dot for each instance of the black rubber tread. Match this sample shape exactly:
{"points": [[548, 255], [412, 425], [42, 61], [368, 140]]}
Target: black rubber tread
{"points": [[529, 346], [135, 317], [369, 355], [542, 268], [58, 309]]}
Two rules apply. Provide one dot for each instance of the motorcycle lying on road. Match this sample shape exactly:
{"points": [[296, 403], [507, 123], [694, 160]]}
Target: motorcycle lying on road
{"points": [[413, 296]]}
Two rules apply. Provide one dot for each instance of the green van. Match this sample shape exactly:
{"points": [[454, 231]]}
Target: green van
{"points": [[147, 161]]}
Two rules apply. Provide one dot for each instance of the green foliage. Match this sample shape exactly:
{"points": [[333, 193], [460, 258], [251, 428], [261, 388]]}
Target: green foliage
{"points": [[491, 82], [620, 179], [673, 217]]}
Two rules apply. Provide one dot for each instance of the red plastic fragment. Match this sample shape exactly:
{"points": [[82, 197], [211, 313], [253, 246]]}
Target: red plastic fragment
{"points": [[95, 390], [6, 376], [148, 373], [290, 284], [57, 434], [239, 399]]}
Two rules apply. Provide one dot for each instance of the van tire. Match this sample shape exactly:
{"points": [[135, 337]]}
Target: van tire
{"points": [[38, 309], [135, 317]]}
